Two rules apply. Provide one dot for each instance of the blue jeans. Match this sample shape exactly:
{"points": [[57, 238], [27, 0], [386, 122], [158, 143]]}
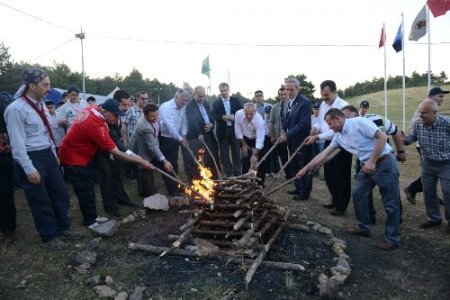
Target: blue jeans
{"points": [[432, 171], [49, 200], [386, 178]]}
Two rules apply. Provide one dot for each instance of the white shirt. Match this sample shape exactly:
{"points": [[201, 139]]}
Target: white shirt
{"points": [[358, 138], [251, 130], [325, 133], [227, 106], [173, 120], [69, 111]]}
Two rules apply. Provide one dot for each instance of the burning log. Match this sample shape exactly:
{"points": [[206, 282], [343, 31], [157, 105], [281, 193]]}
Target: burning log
{"points": [[212, 156]]}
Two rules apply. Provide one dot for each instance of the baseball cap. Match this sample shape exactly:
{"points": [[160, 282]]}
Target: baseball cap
{"points": [[73, 88], [112, 106], [268, 108], [364, 103], [436, 91], [316, 105]]}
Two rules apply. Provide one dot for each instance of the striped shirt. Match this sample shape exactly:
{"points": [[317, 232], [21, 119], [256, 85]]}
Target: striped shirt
{"points": [[434, 140], [131, 119]]}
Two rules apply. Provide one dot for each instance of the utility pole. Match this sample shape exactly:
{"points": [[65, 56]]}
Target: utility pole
{"points": [[158, 90], [81, 36]]}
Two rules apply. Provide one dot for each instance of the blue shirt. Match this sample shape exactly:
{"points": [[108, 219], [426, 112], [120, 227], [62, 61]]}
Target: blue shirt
{"points": [[358, 138], [26, 132], [226, 104]]}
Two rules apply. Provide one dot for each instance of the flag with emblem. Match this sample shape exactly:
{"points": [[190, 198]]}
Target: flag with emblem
{"points": [[419, 26], [205, 67]]}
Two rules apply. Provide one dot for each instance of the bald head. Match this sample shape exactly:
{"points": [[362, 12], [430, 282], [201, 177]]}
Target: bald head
{"points": [[427, 111]]}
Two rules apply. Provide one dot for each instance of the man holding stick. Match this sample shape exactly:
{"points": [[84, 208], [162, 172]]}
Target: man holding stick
{"points": [[364, 139]]}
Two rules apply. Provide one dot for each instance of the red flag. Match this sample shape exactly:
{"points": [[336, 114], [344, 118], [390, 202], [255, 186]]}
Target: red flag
{"points": [[438, 7], [382, 38]]}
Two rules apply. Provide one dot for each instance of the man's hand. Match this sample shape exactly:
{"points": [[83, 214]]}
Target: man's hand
{"points": [[244, 150], [314, 130], [34, 178], [272, 139], [283, 137], [184, 143], [225, 118], [369, 167], [146, 165], [302, 173], [63, 122], [167, 166], [231, 117], [401, 156], [310, 140], [208, 127]]}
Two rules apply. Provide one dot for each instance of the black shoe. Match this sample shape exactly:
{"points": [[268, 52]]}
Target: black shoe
{"points": [[293, 192], [337, 212], [357, 231], [430, 224], [410, 196], [329, 206], [300, 198], [113, 213], [374, 221], [129, 204], [70, 235], [441, 202]]}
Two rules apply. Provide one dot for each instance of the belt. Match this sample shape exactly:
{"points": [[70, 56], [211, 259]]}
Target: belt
{"points": [[382, 158]]}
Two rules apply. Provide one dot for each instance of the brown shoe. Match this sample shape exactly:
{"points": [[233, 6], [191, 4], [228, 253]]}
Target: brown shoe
{"points": [[386, 246], [357, 231]]}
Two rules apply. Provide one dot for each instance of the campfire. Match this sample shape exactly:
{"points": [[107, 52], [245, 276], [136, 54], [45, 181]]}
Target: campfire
{"points": [[204, 186]]}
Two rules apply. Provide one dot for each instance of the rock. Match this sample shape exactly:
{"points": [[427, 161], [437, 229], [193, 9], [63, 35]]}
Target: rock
{"points": [[83, 268], [157, 202], [104, 291], [328, 232], [325, 286], [303, 219], [128, 219], [316, 227], [22, 284], [93, 281], [340, 270], [138, 293], [310, 223], [94, 243], [338, 279], [340, 242], [337, 249], [121, 296], [86, 256], [343, 263], [178, 202], [109, 280], [107, 229]]}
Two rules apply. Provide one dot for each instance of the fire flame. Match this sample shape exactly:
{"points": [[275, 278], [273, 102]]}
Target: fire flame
{"points": [[205, 185]]}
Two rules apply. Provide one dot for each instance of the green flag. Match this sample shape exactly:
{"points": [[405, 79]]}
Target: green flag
{"points": [[205, 66]]}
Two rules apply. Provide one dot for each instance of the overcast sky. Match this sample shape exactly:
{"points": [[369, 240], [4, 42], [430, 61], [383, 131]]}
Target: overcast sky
{"points": [[252, 44]]}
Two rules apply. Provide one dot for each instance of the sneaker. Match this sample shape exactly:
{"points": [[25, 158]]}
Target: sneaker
{"points": [[55, 244], [101, 219], [71, 235], [410, 196]]}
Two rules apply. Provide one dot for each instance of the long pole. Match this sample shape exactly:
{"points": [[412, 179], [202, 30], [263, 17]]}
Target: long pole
{"points": [[429, 48], [403, 78], [81, 36], [385, 74]]}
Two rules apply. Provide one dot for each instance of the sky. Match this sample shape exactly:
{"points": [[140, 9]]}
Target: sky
{"points": [[253, 45]]}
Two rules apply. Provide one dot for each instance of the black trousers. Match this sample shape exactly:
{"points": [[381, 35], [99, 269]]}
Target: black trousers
{"points": [[230, 145], [416, 186], [337, 173], [83, 183], [261, 172], [49, 200], [282, 152], [7, 206], [145, 182], [111, 185], [170, 147], [303, 185]]}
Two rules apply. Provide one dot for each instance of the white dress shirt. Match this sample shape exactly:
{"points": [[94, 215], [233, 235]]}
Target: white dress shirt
{"points": [[325, 133], [358, 138], [227, 105], [251, 130], [173, 120]]}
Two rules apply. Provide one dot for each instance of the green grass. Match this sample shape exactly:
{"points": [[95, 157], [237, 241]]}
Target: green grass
{"points": [[413, 97]]}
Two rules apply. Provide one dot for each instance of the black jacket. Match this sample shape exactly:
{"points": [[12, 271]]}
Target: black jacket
{"points": [[218, 110], [195, 120]]}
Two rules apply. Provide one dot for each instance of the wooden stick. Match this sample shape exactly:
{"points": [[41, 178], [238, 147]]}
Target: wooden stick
{"points": [[285, 165], [267, 154], [280, 186], [262, 255], [236, 260], [193, 156], [219, 174], [185, 235]]}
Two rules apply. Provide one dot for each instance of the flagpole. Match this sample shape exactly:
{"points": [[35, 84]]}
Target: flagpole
{"points": [[403, 78], [385, 79], [429, 48]]}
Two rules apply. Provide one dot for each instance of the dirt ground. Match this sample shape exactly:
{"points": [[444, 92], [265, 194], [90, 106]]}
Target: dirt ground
{"points": [[419, 269]]}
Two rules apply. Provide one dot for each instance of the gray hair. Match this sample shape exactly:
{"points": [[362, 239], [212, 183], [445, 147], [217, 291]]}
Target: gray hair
{"points": [[249, 105], [294, 81], [223, 85], [199, 88], [181, 92]]}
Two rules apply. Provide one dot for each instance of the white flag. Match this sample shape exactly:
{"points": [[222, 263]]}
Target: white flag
{"points": [[419, 26]]}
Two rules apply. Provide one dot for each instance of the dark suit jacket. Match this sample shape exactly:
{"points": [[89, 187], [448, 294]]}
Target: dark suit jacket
{"points": [[219, 110], [115, 134], [297, 123], [195, 120]]}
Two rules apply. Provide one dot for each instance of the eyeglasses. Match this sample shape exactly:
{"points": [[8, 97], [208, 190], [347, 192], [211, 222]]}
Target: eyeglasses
{"points": [[223, 91]]}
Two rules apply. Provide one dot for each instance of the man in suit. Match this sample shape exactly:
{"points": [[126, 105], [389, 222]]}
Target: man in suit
{"points": [[200, 122], [144, 142], [224, 109], [296, 127]]}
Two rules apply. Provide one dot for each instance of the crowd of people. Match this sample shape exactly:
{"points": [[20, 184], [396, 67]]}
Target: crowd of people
{"points": [[44, 144]]}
